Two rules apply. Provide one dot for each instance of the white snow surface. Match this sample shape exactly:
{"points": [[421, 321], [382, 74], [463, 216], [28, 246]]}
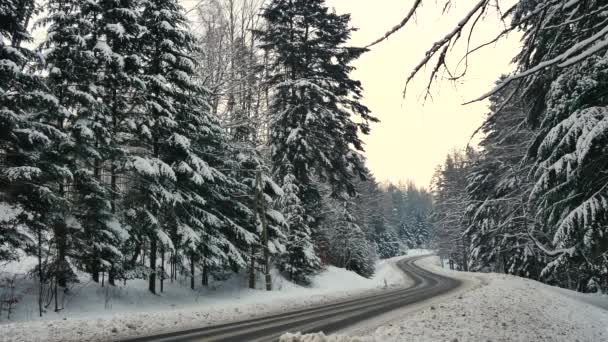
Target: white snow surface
{"points": [[95, 313], [502, 308]]}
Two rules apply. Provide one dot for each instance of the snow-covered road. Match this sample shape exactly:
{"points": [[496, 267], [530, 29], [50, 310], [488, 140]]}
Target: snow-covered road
{"points": [[329, 317], [499, 308]]}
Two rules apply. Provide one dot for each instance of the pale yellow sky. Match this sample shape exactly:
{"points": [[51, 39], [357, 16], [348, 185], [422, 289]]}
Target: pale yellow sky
{"points": [[413, 136]]}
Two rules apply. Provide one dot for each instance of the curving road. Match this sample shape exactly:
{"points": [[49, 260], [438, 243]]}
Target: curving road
{"points": [[327, 318]]}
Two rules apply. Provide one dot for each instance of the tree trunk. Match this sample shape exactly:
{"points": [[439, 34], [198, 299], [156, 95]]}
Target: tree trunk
{"points": [[40, 273], [152, 280], [112, 276], [262, 214], [172, 265], [192, 271], [252, 269], [205, 271], [95, 272], [56, 295], [162, 269]]}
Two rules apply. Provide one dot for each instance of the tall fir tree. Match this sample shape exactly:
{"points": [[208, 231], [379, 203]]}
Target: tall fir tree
{"points": [[26, 136], [497, 217], [313, 100], [299, 260]]}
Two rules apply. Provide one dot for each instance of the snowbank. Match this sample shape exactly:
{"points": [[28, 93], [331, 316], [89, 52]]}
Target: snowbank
{"points": [[93, 313], [507, 308]]}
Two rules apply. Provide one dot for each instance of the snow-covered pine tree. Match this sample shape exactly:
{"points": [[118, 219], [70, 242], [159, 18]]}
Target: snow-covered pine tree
{"points": [[71, 61], [154, 184], [497, 216], [92, 69], [369, 213], [394, 205], [415, 231], [118, 70], [571, 193], [299, 260], [24, 136], [450, 202], [211, 225], [407, 234], [313, 99], [564, 73], [388, 244], [249, 161], [348, 246]]}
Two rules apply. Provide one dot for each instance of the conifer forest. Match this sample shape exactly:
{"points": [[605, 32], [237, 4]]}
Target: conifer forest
{"points": [[148, 143]]}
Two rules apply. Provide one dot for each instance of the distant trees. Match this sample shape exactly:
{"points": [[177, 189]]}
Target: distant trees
{"points": [[393, 217], [450, 202]]}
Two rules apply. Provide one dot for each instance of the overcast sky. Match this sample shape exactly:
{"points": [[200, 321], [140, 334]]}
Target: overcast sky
{"points": [[413, 136]]}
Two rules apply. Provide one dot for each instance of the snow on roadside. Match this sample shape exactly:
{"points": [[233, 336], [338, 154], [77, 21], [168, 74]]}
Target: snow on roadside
{"points": [[507, 308], [132, 311]]}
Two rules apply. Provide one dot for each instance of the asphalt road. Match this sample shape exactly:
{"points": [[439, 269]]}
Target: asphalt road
{"points": [[327, 318]]}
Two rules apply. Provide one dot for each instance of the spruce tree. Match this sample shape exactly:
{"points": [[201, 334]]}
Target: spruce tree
{"points": [[299, 260], [89, 61], [313, 102], [567, 105], [348, 246], [25, 135], [188, 143], [498, 187]]}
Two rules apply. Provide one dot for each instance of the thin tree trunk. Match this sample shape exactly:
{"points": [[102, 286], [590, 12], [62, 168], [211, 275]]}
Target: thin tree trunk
{"points": [[192, 271], [172, 265], [56, 295], [205, 269], [262, 214], [40, 273], [112, 275], [252, 269], [162, 269], [152, 280], [94, 272]]}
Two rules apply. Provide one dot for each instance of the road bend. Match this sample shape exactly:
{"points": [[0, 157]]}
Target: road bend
{"points": [[327, 318]]}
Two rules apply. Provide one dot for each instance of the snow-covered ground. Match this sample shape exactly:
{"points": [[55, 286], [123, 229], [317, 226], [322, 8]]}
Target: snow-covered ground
{"points": [[93, 313], [501, 308]]}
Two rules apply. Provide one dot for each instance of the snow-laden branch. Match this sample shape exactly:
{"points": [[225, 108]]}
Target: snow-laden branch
{"points": [[445, 42], [567, 58], [548, 251], [399, 26]]}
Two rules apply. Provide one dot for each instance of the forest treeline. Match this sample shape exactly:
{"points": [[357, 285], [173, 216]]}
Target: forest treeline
{"points": [[138, 141]]}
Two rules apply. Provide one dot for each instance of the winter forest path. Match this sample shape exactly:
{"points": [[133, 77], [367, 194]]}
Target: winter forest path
{"points": [[328, 318]]}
